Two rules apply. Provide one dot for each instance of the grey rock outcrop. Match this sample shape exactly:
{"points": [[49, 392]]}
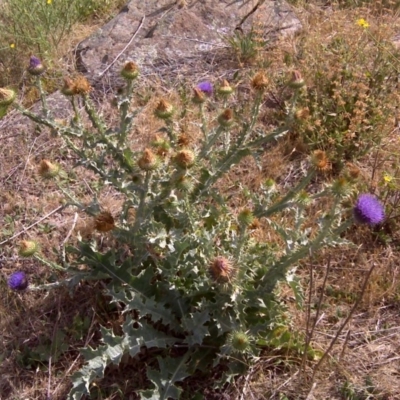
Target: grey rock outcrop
{"points": [[185, 37]]}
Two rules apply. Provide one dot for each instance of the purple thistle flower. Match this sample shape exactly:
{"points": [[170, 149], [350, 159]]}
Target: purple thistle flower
{"points": [[368, 210], [206, 87], [18, 281], [35, 66]]}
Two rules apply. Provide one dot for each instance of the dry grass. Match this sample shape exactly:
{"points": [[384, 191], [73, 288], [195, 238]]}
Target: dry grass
{"points": [[365, 356]]}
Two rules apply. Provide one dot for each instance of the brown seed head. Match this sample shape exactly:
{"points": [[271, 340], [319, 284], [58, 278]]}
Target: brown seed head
{"points": [[259, 82], [221, 270], [130, 71], [104, 222], [226, 119], [81, 86], [302, 114], [225, 89], [28, 248], [69, 87], [320, 161], [7, 96], [47, 169], [183, 140], [149, 161], [164, 110], [199, 96], [297, 80], [185, 158]]}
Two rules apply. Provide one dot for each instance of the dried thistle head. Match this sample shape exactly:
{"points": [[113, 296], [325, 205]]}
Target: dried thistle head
{"points": [[48, 170], [81, 86], [69, 87], [104, 222], [259, 82], [297, 81], [7, 96], [226, 119], [164, 109], [130, 71], [28, 248], [185, 158], [320, 161], [302, 114], [148, 161], [184, 140], [161, 145], [199, 96], [225, 89], [221, 270]]}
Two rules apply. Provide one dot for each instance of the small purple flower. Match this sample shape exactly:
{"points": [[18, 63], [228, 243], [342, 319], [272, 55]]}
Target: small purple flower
{"points": [[18, 281], [206, 87], [35, 66], [368, 210]]}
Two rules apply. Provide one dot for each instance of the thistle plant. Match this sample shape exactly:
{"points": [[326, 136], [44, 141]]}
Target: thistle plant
{"points": [[196, 287]]}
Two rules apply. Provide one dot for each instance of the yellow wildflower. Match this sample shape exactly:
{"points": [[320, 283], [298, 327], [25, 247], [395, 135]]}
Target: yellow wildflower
{"points": [[363, 23], [12, 45], [387, 178], [49, 1]]}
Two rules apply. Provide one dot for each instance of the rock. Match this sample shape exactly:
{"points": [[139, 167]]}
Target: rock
{"points": [[182, 38]]}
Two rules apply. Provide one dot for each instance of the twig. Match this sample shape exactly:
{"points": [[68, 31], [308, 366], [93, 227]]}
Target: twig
{"points": [[316, 320], [356, 304], [26, 163], [62, 248], [310, 393], [123, 50], [32, 225]]}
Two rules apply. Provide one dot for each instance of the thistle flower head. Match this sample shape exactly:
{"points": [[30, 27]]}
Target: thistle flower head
{"points": [[104, 222], [259, 82], [302, 114], [69, 87], [239, 341], [185, 158], [48, 170], [206, 87], [226, 119], [297, 81], [198, 97], [81, 86], [341, 187], [162, 145], [148, 161], [35, 66], [130, 71], [18, 281], [225, 89], [28, 248], [303, 198], [221, 270], [164, 110], [184, 140], [353, 172], [368, 210], [184, 184], [246, 217], [320, 161], [7, 97]]}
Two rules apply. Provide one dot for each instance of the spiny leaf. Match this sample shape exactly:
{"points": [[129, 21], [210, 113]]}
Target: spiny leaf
{"points": [[172, 370], [194, 323]]}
